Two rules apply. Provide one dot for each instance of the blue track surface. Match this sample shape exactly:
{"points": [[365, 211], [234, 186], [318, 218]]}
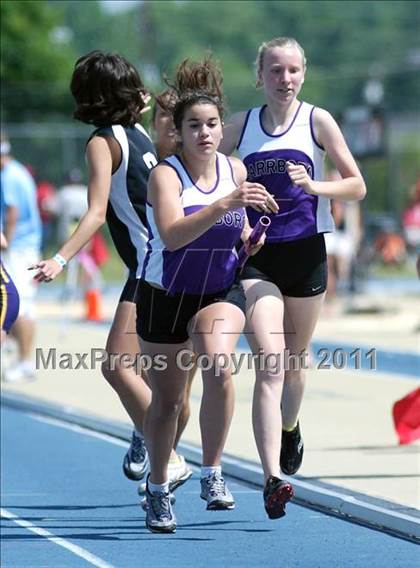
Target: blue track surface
{"points": [[70, 484]]}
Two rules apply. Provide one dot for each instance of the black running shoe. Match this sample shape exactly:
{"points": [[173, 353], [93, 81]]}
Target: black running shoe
{"points": [[277, 493], [291, 454]]}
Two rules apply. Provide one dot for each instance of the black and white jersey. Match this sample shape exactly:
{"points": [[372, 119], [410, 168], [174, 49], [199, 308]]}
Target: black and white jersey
{"points": [[126, 213]]}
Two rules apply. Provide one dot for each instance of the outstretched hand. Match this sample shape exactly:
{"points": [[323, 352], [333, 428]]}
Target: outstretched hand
{"points": [[48, 270], [250, 194]]}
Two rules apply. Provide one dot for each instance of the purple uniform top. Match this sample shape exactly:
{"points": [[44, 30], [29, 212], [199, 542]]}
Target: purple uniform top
{"points": [[265, 155], [9, 300], [207, 264]]}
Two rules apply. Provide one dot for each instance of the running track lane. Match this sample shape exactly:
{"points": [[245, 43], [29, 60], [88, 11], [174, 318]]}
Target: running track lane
{"points": [[66, 504]]}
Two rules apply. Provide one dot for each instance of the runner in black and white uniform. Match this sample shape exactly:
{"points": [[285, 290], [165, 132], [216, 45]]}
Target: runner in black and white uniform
{"points": [[282, 145], [126, 211], [120, 155]]}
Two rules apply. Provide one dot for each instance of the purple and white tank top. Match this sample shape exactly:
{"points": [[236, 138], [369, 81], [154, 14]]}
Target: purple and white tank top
{"points": [[265, 155], [208, 264]]}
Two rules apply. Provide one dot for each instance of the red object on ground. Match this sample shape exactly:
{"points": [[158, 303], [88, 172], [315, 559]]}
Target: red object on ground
{"points": [[93, 305], [406, 414]]}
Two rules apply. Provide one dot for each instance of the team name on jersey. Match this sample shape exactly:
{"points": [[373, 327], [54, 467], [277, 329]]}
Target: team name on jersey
{"points": [[231, 219], [273, 166]]}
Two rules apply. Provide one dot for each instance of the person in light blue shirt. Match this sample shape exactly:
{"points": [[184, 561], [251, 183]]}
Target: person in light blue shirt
{"points": [[18, 191], [21, 224]]}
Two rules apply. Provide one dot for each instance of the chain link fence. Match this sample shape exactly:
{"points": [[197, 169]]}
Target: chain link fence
{"points": [[51, 150]]}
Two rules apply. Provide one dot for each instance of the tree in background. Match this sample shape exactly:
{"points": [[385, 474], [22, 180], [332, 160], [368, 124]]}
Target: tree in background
{"points": [[347, 43], [93, 28], [36, 61]]}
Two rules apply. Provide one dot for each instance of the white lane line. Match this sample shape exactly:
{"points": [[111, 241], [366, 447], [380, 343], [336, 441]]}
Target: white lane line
{"points": [[77, 550], [333, 500], [9, 494], [346, 504], [79, 429], [337, 501]]}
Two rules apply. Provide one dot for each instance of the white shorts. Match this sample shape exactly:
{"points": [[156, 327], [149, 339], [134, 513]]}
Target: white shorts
{"points": [[16, 262]]}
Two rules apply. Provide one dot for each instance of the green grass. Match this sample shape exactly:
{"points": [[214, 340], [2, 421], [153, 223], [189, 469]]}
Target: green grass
{"points": [[405, 270], [114, 270]]}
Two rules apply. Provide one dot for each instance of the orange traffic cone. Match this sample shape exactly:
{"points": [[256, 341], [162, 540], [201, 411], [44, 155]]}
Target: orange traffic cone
{"points": [[93, 305]]}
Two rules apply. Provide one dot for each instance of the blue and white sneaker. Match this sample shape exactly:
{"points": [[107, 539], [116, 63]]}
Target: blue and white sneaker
{"points": [[143, 502], [216, 493], [136, 460], [160, 517]]}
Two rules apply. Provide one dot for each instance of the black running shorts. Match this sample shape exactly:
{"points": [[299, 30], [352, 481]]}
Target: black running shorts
{"points": [[298, 268], [130, 291], [162, 318]]}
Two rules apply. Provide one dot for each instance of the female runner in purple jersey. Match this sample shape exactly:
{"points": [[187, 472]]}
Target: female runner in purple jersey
{"points": [[164, 138], [190, 299], [165, 143], [282, 145]]}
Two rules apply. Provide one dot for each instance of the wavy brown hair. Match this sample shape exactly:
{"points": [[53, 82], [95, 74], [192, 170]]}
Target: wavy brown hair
{"points": [[196, 83], [107, 89]]}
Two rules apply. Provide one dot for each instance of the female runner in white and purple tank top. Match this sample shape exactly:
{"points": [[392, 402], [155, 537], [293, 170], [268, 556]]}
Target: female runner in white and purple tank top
{"points": [[283, 144], [189, 296]]}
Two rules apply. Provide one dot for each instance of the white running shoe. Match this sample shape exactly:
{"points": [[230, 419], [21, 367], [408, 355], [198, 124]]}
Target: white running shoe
{"points": [[23, 372], [215, 491], [178, 472]]}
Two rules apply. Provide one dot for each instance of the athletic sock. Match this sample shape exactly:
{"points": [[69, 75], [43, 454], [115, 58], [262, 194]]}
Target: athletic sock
{"points": [[158, 487], [290, 429], [208, 470]]}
